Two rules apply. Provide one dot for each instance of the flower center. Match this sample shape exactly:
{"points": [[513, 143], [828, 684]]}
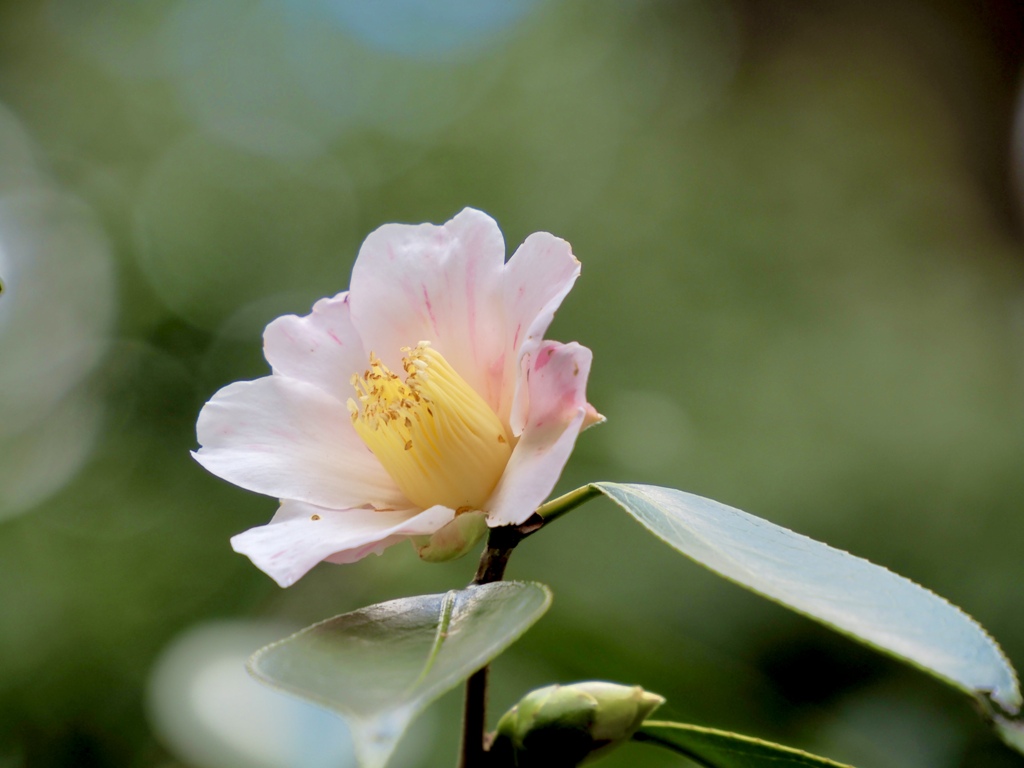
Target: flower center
{"points": [[436, 437]]}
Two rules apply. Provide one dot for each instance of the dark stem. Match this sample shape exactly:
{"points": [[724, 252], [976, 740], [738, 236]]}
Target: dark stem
{"points": [[474, 721], [500, 543]]}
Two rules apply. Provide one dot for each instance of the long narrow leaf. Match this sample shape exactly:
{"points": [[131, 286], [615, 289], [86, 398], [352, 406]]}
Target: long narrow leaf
{"points": [[720, 749], [863, 600]]}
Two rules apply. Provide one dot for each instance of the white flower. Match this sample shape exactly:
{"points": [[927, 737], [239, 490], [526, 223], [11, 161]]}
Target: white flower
{"points": [[425, 391]]}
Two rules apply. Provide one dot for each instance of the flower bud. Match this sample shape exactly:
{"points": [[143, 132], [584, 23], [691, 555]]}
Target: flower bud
{"points": [[454, 539], [565, 725]]}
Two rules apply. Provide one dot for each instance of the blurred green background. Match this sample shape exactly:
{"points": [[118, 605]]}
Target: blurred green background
{"points": [[802, 281]]}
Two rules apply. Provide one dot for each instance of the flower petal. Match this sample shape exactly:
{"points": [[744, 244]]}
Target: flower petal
{"points": [[441, 284], [302, 535], [537, 277], [289, 439], [321, 348], [557, 378]]}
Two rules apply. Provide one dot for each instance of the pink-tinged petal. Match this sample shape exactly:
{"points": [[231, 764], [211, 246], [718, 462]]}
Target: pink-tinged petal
{"points": [[557, 378], [320, 348], [537, 277], [532, 471], [302, 535], [440, 284], [289, 439]]}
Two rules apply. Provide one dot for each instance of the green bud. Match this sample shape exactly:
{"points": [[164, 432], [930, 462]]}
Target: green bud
{"points": [[454, 539], [564, 725]]}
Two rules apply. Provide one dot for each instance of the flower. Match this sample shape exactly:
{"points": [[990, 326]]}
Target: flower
{"points": [[424, 392]]}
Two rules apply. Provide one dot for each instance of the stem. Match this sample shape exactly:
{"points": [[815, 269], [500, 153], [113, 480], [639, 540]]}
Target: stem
{"points": [[500, 543], [555, 508], [474, 721]]}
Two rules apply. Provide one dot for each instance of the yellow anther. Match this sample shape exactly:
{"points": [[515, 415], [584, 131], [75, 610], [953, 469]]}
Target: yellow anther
{"points": [[440, 440]]}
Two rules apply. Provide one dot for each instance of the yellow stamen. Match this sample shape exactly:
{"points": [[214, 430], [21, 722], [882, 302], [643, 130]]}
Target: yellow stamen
{"points": [[437, 437]]}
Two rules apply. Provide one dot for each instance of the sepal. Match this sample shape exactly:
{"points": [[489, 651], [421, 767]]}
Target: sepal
{"points": [[454, 539]]}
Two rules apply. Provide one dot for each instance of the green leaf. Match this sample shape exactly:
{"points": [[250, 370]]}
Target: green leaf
{"points": [[863, 600], [380, 666], [721, 749]]}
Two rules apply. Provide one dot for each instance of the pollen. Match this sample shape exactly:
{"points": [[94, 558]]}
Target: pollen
{"points": [[434, 434]]}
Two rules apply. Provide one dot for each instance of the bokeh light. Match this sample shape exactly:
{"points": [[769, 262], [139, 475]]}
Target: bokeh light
{"points": [[55, 317], [420, 29], [213, 714]]}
